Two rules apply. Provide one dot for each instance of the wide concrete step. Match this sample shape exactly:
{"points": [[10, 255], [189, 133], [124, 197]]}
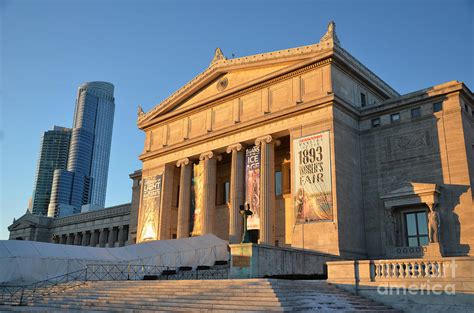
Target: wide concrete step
{"points": [[258, 295]]}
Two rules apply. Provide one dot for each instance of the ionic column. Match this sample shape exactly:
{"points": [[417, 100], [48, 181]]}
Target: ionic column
{"points": [[111, 237], [184, 198], [236, 192], [267, 188], [164, 229], [77, 239], [70, 239], [84, 238], [209, 191], [121, 236], [93, 238], [102, 237]]}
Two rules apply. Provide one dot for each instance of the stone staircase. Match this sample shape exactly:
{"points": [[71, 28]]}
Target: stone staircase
{"points": [[243, 295]]}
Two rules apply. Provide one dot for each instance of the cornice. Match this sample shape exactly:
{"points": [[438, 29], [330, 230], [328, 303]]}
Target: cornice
{"points": [[415, 97], [347, 58]]}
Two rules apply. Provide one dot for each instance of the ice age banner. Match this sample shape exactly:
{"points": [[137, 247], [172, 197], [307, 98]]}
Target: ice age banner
{"points": [[151, 203], [312, 189], [196, 200], [252, 190]]}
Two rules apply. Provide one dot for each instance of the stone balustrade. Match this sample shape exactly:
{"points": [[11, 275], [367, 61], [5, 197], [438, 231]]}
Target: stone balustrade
{"points": [[402, 269]]}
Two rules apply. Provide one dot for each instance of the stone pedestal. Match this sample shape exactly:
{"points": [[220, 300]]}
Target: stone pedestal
{"points": [[433, 250], [249, 260]]}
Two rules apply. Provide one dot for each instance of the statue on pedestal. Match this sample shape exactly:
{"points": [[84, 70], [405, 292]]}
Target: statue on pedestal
{"points": [[245, 212], [390, 228], [433, 224]]}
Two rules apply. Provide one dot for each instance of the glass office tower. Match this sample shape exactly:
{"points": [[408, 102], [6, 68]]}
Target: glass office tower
{"points": [[83, 185], [53, 155]]}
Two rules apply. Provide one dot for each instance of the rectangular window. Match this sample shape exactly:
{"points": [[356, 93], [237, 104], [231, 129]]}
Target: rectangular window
{"points": [[395, 118], [415, 113], [416, 228], [438, 106], [363, 101], [278, 183], [226, 192], [376, 122], [177, 198]]}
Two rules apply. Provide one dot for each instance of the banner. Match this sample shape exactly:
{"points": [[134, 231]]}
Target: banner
{"points": [[252, 190], [196, 197], [151, 204], [312, 189]]}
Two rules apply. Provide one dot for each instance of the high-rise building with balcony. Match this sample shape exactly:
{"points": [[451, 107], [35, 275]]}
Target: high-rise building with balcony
{"points": [[82, 186], [53, 155]]}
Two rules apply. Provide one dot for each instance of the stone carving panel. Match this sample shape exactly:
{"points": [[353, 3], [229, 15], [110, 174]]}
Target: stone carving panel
{"points": [[408, 145], [197, 124], [280, 96], [312, 84], [250, 106], [175, 132], [222, 115]]}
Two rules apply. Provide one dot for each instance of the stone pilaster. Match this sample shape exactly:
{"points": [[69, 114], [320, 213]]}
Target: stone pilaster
{"points": [[209, 191], [184, 198], [267, 188], [237, 176]]}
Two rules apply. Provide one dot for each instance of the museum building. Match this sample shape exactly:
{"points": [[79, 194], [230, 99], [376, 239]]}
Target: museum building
{"points": [[327, 156]]}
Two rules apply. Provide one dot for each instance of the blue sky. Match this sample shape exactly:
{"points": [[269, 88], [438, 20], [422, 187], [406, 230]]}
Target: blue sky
{"points": [[148, 49]]}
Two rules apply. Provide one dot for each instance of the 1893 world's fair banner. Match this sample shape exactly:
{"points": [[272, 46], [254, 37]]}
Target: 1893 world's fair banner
{"points": [[252, 185], [312, 189], [151, 199], [196, 200]]}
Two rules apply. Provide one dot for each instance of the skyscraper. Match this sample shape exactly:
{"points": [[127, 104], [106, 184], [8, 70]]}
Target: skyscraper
{"points": [[82, 186], [53, 155]]}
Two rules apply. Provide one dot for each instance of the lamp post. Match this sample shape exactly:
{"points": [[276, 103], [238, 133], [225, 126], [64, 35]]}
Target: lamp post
{"points": [[245, 212]]}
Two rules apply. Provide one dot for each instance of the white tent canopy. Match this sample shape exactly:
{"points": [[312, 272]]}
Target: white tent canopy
{"points": [[23, 262]]}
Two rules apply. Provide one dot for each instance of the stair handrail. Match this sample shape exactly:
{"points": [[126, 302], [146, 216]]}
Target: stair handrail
{"points": [[19, 294]]}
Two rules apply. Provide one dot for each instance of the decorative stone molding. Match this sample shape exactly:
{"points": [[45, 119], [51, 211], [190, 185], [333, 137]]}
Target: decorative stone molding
{"points": [[266, 139], [209, 155], [182, 162], [410, 193], [330, 33], [218, 56], [233, 147]]}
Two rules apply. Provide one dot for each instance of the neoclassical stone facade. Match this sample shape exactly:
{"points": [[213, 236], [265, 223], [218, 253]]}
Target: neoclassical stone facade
{"points": [[110, 227], [328, 156]]}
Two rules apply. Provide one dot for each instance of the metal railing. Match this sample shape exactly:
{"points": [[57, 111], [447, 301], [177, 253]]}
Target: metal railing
{"points": [[24, 294]]}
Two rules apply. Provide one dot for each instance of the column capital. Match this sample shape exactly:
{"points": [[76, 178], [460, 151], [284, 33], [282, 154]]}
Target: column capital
{"points": [[236, 147], [210, 155], [266, 139], [182, 162]]}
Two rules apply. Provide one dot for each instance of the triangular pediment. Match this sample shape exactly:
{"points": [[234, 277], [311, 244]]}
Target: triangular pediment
{"points": [[226, 76], [411, 189], [27, 220]]}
